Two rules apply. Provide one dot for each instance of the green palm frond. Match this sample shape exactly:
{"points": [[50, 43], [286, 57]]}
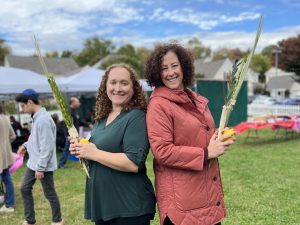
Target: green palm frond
{"points": [[57, 94], [61, 102], [235, 82]]}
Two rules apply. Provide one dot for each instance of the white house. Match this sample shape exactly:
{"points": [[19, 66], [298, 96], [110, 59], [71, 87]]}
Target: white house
{"points": [[283, 86], [220, 69], [273, 72]]}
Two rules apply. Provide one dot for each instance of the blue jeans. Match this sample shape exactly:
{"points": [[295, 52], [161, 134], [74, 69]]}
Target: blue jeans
{"points": [[9, 197], [64, 156]]}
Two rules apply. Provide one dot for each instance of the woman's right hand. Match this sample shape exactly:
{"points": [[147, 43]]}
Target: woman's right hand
{"points": [[218, 147], [73, 141]]}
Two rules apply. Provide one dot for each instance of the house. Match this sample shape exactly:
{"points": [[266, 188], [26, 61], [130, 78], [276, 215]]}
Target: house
{"points": [[220, 70], [283, 86], [56, 66], [274, 72]]}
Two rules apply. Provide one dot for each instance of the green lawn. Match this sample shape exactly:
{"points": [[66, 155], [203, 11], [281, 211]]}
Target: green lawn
{"points": [[260, 180]]}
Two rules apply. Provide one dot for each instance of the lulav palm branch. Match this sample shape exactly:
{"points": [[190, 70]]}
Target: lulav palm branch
{"points": [[61, 103]]}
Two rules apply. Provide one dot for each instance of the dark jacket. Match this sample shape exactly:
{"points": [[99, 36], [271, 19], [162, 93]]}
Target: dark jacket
{"points": [[77, 121]]}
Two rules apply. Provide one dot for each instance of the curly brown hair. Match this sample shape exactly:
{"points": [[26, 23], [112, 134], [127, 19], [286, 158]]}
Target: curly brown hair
{"points": [[103, 103], [153, 64]]}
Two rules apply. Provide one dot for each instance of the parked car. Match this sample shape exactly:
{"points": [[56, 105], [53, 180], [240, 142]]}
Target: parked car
{"points": [[287, 101], [263, 99]]}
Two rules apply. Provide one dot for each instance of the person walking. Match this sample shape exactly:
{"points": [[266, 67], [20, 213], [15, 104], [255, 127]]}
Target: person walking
{"points": [[6, 159], [42, 157]]}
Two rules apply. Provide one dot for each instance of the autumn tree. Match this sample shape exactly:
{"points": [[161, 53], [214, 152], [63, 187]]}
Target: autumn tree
{"points": [[290, 55], [232, 54]]}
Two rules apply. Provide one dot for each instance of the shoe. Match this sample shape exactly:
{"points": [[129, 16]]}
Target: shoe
{"points": [[26, 223], [58, 223], [5, 209], [1, 199]]}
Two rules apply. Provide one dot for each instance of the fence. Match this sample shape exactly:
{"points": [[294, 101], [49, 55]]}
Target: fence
{"points": [[276, 110]]}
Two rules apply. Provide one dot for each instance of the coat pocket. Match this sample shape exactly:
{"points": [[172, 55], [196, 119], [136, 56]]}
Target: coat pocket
{"points": [[190, 190]]}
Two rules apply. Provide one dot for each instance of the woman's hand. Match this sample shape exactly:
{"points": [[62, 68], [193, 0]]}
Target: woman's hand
{"points": [[217, 146], [73, 141], [86, 151]]}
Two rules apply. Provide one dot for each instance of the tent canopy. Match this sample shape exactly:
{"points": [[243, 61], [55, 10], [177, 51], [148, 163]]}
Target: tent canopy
{"points": [[88, 80], [14, 81]]}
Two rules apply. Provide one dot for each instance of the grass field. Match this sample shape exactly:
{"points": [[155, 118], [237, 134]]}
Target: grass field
{"points": [[261, 181]]}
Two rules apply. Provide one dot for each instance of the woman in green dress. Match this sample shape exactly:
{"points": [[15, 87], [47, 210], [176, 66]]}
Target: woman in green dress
{"points": [[118, 191]]}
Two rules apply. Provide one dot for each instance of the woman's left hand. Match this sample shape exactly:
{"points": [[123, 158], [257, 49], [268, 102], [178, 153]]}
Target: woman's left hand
{"points": [[86, 151]]}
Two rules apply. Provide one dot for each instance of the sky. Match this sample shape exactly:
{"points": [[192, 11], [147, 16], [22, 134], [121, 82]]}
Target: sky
{"points": [[65, 24]]}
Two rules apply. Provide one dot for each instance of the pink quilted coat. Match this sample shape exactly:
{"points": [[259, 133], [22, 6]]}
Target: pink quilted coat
{"points": [[188, 188]]}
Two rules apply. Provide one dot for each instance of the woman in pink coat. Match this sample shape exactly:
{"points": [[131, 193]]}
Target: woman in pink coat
{"points": [[183, 140]]}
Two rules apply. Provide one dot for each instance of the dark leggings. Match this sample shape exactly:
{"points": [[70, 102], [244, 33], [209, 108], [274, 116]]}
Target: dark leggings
{"points": [[167, 221], [139, 220]]}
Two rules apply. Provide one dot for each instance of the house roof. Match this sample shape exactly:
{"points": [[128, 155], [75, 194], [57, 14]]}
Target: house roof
{"points": [[280, 72], [57, 66], [208, 69], [280, 82]]}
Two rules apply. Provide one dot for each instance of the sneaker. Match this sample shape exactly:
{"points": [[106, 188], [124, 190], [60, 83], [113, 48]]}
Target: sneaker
{"points": [[5, 209], [58, 223], [1, 199]]}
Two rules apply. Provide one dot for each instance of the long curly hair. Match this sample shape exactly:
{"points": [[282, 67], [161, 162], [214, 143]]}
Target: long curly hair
{"points": [[153, 64], [103, 103]]}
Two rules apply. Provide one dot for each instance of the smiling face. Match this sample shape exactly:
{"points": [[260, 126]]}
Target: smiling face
{"points": [[119, 87], [171, 72]]}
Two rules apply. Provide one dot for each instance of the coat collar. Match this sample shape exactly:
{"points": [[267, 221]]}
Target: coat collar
{"points": [[181, 96]]}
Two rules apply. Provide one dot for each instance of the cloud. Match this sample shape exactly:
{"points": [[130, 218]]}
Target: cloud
{"points": [[216, 40], [203, 20], [291, 3], [66, 16], [60, 24]]}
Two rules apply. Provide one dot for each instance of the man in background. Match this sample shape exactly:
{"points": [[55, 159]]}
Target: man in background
{"points": [[77, 121]]}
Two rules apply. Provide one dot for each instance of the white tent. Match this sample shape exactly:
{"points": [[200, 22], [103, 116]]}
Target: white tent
{"points": [[14, 81], [88, 80], [145, 85]]}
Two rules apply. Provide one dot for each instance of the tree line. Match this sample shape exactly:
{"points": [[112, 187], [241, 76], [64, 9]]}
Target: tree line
{"points": [[104, 53]]}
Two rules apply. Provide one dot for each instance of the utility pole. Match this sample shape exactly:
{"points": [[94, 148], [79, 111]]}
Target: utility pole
{"points": [[276, 51]]}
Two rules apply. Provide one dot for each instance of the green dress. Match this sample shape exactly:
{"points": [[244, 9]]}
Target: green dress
{"points": [[111, 193]]}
